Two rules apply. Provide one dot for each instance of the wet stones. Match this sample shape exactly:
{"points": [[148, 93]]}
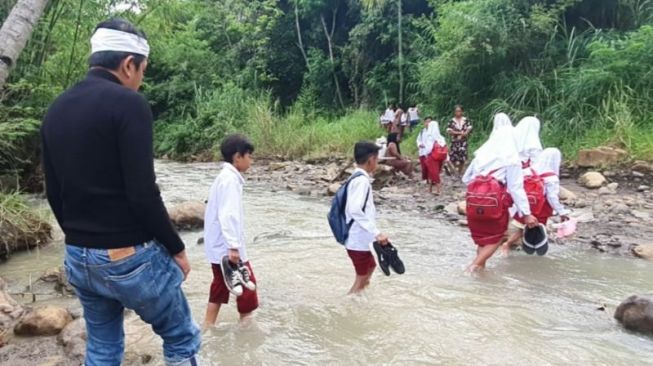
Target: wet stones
{"points": [[43, 321], [592, 180], [636, 313], [188, 215], [567, 195], [73, 339], [462, 208], [10, 310]]}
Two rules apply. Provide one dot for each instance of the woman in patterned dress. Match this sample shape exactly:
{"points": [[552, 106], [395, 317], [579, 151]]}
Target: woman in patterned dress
{"points": [[459, 129]]}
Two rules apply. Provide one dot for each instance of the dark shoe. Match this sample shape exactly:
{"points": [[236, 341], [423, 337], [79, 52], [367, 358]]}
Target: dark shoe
{"points": [[395, 263], [245, 277], [231, 276], [383, 258]]}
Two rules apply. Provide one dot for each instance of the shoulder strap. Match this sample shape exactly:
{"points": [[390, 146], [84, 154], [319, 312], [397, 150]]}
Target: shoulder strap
{"points": [[367, 197]]}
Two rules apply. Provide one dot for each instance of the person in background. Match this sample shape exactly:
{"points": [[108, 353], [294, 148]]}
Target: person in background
{"points": [[434, 164], [224, 233], [547, 166], [413, 116], [498, 159], [403, 124], [360, 211], [394, 157], [425, 141], [396, 124], [459, 129], [121, 248], [388, 117]]}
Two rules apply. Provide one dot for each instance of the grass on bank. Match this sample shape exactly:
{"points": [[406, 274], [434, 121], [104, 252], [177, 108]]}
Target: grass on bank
{"points": [[21, 226]]}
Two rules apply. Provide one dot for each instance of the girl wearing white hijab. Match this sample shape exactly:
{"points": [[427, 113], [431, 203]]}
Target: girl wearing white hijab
{"points": [[434, 166], [547, 166], [501, 120], [425, 141], [498, 158], [527, 140]]}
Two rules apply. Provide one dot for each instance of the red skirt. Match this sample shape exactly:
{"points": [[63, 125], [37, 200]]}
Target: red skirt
{"points": [[433, 169], [425, 172], [486, 232]]}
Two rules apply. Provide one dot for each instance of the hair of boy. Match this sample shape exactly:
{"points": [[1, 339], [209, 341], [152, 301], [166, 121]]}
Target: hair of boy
{"points": [[364, 150], [234, 144], [111, 59]]}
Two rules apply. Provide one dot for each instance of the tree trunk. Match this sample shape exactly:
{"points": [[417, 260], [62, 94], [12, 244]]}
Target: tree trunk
{"points": [[16, 31], [333, 63], [300, 43], [401, 55]]}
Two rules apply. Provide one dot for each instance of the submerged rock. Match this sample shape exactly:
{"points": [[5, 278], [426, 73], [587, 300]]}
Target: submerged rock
{"points": [[644, 251], [636, 313], [601, 156], [592, 180], [188, 215], [43, 321]]}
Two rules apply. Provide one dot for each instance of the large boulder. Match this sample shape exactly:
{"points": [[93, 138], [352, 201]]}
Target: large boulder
{"points": [[383, 176], [10, 309], [188, 215], [592, 180], [73, 339], [636, 313], [600, 157], [644, 251], [43, 321]]}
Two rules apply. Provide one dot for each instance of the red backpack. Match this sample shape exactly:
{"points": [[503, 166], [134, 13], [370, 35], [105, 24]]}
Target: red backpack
{"points": [[534, 187], [487, 198], [439, 153]]}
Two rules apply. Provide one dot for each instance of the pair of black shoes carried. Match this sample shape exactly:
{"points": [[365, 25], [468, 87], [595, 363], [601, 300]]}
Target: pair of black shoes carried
{"points": [[388, 258]]}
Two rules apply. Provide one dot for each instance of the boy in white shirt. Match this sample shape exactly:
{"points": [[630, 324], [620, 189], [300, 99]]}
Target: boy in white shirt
{"points": [[224, 237], [361, 212]]}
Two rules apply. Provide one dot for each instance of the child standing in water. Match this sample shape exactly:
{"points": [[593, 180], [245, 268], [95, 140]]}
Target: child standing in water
{"points": [[360, 211], [497, 166], [224, 233]]}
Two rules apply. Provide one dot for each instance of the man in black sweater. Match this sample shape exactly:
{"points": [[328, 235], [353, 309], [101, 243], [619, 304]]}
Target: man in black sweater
{"points": [[121, 248]]}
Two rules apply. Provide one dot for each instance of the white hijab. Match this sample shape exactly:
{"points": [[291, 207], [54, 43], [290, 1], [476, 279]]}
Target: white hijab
{"points": [[548, 161], [497, 152], [434, 131], [527, 138], [501, 120]]}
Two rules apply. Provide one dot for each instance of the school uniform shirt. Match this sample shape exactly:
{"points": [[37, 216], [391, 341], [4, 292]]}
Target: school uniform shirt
{"points": [[388, 116], [412, 113], [427, 139], [513, 177], [224, 221], [363, 231]]}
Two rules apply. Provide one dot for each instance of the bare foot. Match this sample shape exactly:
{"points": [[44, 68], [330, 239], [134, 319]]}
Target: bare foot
{"points": [[505, 250], [473, 268]]}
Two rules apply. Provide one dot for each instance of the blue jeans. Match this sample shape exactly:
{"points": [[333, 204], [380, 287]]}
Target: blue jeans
{"points": [[149, 282]]}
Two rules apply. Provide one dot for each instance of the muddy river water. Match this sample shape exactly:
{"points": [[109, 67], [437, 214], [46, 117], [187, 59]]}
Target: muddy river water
{"points": [[523, 310]]}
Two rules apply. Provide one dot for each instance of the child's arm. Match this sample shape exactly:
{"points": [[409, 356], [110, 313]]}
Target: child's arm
{"points": [[552, 189], [230, 213], [357, 196]]}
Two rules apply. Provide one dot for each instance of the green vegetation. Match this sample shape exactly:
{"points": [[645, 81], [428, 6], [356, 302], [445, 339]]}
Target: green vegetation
{"points": [[309, 77], [21, 227]]}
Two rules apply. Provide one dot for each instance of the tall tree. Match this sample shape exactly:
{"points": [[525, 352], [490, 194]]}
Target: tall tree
{"points": [[16, 31]]}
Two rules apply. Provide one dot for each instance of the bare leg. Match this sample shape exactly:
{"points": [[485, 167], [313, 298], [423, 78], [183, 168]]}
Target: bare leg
{"points": [[483, 253], [211, 316], [245, 316], [512, 241], [438, 189], [360, 283]]}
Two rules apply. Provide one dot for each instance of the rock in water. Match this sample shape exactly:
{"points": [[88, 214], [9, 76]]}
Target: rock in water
{"points": [[462, 208], [592, 180], [10, 309], [43, 321], [636, 313], [600, 157], [643, 251], [188, 215], [73, 339], [333, 188]]}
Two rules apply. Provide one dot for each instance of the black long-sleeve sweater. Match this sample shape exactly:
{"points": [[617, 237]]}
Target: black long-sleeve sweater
{"points": [[99, 167]]}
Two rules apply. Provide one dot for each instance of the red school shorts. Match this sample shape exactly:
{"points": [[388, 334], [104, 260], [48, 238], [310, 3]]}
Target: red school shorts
{"points": [[363, 261], [485, 232], [219, 294]]}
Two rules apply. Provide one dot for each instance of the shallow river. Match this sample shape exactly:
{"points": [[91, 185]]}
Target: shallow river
{"points": [[522, 311]]}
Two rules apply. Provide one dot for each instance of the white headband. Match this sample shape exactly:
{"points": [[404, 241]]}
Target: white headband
{"points": [[105, 39]]}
